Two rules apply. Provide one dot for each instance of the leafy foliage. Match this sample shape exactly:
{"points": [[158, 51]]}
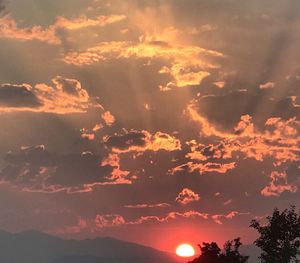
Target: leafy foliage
{"points": [[280, 238], [232, 254], [211, 253]]}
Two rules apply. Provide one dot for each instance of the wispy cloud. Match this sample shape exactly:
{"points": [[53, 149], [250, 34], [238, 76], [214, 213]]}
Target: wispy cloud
{"points": [[10, 29], [139, 206]]}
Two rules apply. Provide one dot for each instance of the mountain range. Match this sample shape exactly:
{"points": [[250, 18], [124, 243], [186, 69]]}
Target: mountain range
{"points": [[38, 247]]}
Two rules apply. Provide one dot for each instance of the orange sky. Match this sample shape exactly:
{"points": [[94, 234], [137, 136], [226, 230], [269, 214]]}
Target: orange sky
{"points": [[158, 122]]}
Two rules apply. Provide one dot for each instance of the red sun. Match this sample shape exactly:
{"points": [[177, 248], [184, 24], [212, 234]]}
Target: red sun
{"points": [[185, 250]]}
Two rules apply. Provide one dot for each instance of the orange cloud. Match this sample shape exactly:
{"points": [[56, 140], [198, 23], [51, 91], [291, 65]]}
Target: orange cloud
{"points": [[204, 167], [83, 22], [160, 205], [220, 84], [108, 118], [189, 63], [203, 152], [140, 141], [10, 29], [245, 126], [97, 127], [207, 128], [115, 220], [278, 185], [231, 215], [117, 176], [267, 85], [86, 135], [280, 139], [187, 196], [65, 96], [170, 216]]}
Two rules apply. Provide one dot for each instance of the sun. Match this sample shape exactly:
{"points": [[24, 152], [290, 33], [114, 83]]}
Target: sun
{"points": [[185, 250]]}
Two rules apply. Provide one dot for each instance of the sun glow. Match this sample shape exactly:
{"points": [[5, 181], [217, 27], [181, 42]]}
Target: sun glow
{"points": [[185, 250]]}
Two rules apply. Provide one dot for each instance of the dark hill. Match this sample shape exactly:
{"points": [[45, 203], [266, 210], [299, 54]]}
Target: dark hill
{"points": [[37, 247]]}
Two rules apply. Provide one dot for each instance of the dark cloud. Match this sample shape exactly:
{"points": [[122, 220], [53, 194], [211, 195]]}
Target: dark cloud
{"points": [[125, 141], [141, 141], [65, 96], [70, 86], [18, 96], [36, 169], [226, 110], [2, 6]]}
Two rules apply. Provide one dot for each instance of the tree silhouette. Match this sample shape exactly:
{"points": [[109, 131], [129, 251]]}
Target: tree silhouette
{"points": [[232, 254], [211, 253], [280, 238]]}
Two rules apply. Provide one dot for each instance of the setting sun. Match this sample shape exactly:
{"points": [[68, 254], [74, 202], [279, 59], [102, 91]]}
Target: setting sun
{"points": [[185, 250]]}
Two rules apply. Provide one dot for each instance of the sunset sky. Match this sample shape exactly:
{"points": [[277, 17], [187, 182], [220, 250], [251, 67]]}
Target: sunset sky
{"points": [[153, 121]]}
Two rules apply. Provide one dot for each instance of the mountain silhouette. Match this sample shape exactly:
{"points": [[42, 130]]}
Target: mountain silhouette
{"points": [[37, 247]]}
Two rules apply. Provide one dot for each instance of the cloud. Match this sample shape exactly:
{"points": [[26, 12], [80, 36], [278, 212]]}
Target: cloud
{"points": [[18, 96], [228, 202], [204, 167], [187, 196], [83, 21], [267, 85], [220, 113], [80, 226], [2, 6], [276, 138], [112, 220], [205, 152], [140, 141], [108, 118], [116, 220], [207, 128], [278, 185], [245, 126], [190, 64], [171, 216], [97, 127], [85, 134], [218, 218], [34, 169], [138, 206], [117, 176], [202, 29], [65, 96], [10, 29], [220, 84]]}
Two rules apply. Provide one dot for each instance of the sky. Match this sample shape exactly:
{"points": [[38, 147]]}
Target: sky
{"points": [[152, 121]]}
